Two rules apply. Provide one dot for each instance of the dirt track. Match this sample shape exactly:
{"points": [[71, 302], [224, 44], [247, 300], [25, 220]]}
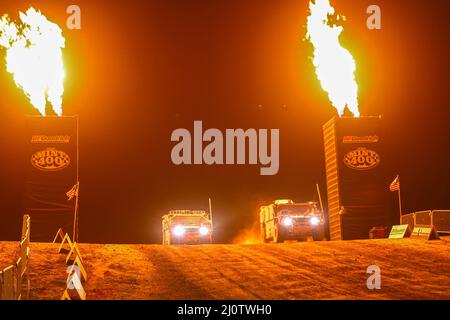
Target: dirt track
{"points": [[326, 270]]}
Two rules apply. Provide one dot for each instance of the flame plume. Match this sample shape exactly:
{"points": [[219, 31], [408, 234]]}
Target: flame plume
{"points": [[34, 57], [335, 66]]}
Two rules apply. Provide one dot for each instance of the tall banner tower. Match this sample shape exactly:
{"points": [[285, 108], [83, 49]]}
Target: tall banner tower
{"points": [[52, 170]]}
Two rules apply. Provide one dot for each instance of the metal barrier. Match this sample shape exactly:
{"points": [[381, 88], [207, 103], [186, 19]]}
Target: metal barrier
{"points": [[22, 270], [26, 225], [441, 220], [423, 217], [11, 278], [7, 283], [409, 219]]}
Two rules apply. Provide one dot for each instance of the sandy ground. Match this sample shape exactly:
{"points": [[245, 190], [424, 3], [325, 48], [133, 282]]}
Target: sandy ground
{"points": [[411, 269]]}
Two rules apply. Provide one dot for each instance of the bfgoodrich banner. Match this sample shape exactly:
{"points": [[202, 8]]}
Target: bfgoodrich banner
{"points": [[51, 171]]}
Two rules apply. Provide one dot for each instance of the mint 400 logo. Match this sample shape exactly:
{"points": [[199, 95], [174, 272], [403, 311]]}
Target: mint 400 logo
{"points": [[362, 159], [50, 159]]}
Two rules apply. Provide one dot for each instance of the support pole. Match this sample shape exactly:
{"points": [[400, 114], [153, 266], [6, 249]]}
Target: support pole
{"points": [[320, 197], [210, 212], [400, 203], [75, 224], [75, 215]]}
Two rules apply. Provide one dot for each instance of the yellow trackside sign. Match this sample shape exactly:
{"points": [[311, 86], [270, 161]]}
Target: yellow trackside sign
{"points": [[424, 232], [400, 231]]}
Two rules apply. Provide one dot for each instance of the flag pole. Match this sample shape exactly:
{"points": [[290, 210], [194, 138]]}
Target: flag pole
{"points": [[75, 224], [210, 218], [210, 212], [75, 216], [399, 199]]}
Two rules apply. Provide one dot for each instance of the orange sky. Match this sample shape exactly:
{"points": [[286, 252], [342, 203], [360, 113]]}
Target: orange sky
{"points": [[139, 69]]}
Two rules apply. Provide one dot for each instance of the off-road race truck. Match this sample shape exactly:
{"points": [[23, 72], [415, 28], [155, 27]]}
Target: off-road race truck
{"points": [[286, 220], [187, 227]]}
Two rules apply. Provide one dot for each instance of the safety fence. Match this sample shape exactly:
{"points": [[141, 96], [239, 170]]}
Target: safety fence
{"points": [[76, 272], [440, 219], [12, 278]]}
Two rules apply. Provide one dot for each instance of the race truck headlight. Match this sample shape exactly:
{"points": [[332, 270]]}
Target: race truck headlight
{"points": [[178, 231], [203, 230], [315, 221], [287, 221]]}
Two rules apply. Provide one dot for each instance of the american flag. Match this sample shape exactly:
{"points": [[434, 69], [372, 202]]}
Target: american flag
{"points": [[72, 193], [395, 185]]}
